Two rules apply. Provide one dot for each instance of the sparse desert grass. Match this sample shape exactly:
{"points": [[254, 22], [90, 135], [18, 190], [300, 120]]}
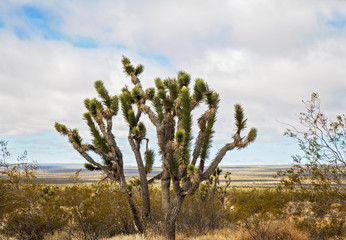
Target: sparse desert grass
{"points": [[224, 234], [277, 230]]}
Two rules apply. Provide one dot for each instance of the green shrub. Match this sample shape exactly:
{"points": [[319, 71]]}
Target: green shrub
{"points": [[262, 203], [34, 222], [201, 215], [97, 212], [27, 209]]}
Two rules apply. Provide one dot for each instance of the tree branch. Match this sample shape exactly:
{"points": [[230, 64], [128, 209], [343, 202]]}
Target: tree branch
{"points": [[156, 177], [217, 160]]}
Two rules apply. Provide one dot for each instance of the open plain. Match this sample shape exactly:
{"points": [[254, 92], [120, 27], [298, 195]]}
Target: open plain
{"points": [[260, 176]]}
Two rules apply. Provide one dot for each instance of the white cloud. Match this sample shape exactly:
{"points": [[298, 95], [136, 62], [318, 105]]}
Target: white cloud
{"points": [[266, 55], [271, 88]]}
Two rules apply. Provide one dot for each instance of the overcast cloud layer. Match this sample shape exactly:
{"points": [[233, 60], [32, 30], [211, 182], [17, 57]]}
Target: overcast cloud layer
{"points": [[267, 55]]}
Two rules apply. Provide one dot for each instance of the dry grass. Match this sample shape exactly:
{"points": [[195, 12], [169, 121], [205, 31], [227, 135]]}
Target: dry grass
{"points": [[220, 235], [280, 230]]}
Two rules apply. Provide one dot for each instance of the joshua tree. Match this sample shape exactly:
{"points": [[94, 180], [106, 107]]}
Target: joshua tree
{"points": [[183, 165]]}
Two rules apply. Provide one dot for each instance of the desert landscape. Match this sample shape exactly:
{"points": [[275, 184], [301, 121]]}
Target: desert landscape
{"points": [[241, 176]]}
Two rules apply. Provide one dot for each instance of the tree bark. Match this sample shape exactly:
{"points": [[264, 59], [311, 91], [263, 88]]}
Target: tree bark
{"points": [[143, 178], [171, 217]]}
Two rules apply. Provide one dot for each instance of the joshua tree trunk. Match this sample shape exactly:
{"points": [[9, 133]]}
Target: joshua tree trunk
{"points": [[171, 217]]}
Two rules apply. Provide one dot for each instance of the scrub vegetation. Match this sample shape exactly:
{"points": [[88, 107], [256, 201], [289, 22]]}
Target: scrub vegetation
{"points": [[32, 210]]}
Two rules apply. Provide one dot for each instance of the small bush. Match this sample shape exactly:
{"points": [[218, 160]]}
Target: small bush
{"points": [[98, 215], [262, 203], [35, 222], [267, 230], [28, 210], [199, 216]]}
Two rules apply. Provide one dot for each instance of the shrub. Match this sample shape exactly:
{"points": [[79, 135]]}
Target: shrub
{"points": [[34, 222], [28, 210], [200, 215], [265, 204], [267, 230], [97, 211]]}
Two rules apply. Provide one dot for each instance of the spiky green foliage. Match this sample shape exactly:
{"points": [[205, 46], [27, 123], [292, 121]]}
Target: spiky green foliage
{"points": [[161, 93], [183, 79], [128, 68], [135, 182], [98, 140], [135, 131], [93, 106], [215, 99], [199, 89], [158, 108], [240, 122], [103, 93], [168, 104], [115, 105], [172, 86], [150, 93], [217, 172], [228, 174], [89, 167], [190, 167], [186, 110], [212, 98], [142, 129], [61, 128], [127, 96], [129, 187], [158, 83], [139, 69], [131, 118], [209, 133], [191, 171], [180, 136], [125, 100], [76, 137], [149, 160], [208, 98], [185, 99], [166, 82], [87, 104], [252, 135], [136, 94]]}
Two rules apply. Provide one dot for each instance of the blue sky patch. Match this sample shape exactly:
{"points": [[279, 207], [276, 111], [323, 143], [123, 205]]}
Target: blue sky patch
{"points": [[36, 18], [21, 33], [338, 21], [157, 58], [2, 24], [34, 13], [119, 46], [40, 22], [86, 42]]}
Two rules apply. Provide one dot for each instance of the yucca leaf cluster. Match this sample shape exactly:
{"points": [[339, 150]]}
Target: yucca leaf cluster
{"points": [[98, 117]]}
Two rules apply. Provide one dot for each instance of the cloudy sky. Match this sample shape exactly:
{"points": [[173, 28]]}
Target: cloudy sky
{"points": [[267, 55]]}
